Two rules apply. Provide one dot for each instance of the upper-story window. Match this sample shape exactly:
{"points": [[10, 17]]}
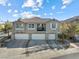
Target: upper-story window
{"points": [[41, 27], [19, 25], [31, 25], [53, 26]]}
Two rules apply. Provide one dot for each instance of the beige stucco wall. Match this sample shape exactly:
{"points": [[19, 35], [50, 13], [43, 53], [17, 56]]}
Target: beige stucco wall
{"points": [[52, 31], [26, 31], [49, 30]]}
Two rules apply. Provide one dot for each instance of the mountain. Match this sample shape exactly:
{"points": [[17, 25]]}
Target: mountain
{"points": [[73, 19]]}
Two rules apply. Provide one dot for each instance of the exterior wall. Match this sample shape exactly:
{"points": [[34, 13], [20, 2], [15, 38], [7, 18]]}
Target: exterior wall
{"points": [[27, 30], [30, 32], [53, 31], [49, 29]]}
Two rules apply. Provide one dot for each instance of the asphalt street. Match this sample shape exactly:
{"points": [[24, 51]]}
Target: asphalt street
{"points": [[70, 56]]}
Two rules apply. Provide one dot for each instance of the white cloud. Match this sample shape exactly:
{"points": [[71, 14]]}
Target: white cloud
{"points": [[65, 3], [35, 9], [39, 3], [63, 7], [9, 4], [9, 11], [51, 14], [15, 15], [32, 3], [53, 7], [28, 3], [3, 2], [45, 14], [28, 15], [15, 11]]}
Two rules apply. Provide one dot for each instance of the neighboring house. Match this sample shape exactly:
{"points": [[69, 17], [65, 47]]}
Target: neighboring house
{"points": [[35, 28]]}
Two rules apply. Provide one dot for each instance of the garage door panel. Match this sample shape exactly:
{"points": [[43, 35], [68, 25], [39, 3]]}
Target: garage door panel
{"points": [[51, 36], [38, 36], [21, 36], [34, 36]]}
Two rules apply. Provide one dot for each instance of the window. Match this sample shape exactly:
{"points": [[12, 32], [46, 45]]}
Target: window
{"points": [[41, 27], [53, 25], [19, 25], [31, 25]]}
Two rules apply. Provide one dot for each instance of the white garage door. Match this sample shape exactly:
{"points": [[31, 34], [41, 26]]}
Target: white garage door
{"points": [[21, 36], [38, 36], [51, 36]]}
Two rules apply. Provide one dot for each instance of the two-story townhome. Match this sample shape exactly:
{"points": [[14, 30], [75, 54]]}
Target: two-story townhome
{"points": [[35, 28]]}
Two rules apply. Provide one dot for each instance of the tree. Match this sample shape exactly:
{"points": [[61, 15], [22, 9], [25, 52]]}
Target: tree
{"points": [[1, 27], [77, 28], [72, 30], [7, 27], [69, 29], [63, 35]]}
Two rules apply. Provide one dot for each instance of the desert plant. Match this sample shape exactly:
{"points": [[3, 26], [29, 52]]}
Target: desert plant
{"points": [[62, 36]]}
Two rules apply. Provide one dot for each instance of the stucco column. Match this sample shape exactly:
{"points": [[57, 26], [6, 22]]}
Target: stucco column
{"points": [[46, 37], [13, 32], [30, 36], [25, 27]]}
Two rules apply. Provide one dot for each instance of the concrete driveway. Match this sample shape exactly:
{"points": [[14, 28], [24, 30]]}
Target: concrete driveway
{"points": [[23, 43], [16, 44]]}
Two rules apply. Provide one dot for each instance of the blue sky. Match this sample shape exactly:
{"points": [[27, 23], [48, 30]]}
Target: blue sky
{"points": [[59, 9]]}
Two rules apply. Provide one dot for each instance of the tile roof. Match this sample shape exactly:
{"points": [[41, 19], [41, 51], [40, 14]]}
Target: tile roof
{"points": [[36, 20]]}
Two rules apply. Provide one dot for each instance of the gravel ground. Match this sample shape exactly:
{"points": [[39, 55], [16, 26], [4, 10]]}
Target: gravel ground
{"points": [[19, 53]]}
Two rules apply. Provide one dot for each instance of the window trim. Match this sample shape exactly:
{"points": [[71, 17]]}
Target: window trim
{"points": [[31, 28], [19, 26], [52, 26]]}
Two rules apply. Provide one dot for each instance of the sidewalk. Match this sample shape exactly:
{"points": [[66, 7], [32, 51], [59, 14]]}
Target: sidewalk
{"points": [[74, 45], [18, 53]]}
